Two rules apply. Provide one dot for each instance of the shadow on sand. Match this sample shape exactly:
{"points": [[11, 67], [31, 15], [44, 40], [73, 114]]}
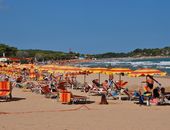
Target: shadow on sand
{"points": [[144, 104], [83, 102], [13, 99]]}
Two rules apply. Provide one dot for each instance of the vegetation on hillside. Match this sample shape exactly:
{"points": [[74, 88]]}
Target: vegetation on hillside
{"points": [[39, 55], [137, 53], [44, 55]]}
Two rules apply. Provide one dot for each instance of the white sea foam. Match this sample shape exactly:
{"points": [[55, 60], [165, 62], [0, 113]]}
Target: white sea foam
{"points": [[136, 63], [165, 63], [163, 67]]}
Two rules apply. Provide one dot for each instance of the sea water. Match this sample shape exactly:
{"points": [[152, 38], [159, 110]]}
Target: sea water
{"points": [[155, 63]]}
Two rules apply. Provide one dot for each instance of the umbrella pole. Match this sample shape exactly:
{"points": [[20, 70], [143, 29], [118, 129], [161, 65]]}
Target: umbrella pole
{"points": [[84, 78], [99, 78], [120, 77]]}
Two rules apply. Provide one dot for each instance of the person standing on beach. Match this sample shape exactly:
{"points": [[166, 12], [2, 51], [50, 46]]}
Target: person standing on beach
{"points": [[104, 92], [147, 89], [149, 84], [110, 81]]}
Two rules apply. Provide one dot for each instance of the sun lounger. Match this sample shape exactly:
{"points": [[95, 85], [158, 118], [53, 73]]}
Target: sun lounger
{"points": [[120, 84], [120, 92], [123, 94], [66, 97], [5, 90], [96, 91], [79, 99], [47, 92]]}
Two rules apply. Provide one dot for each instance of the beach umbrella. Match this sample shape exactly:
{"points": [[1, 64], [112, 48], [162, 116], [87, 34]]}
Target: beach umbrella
{"points": [[71, 69], [85, 72], [66, 70], [119, 71], [98, 70], [27, 66], [48, 67], [147, 71]]}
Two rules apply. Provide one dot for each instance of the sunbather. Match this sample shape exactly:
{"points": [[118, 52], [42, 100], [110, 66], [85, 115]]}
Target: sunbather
{"points": [[87, 87], [105, 85], [164, 96], [96, 83], [156, 96]]}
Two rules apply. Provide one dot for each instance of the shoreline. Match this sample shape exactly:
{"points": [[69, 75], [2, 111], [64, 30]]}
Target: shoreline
{"points": [[107, 62], [134, 58]]}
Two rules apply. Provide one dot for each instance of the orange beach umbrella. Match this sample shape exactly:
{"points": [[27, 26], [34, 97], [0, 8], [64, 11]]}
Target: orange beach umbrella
{"points": [[98, 70], [147, 71], [119, 71]]}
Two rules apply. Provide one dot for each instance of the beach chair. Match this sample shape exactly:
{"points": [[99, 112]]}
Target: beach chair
{"points": [[77, 85], [66, 97], [76, 99], [94, 90], [47, 92], [34, 87], [120, 84], [120, 92], [5, 90]]}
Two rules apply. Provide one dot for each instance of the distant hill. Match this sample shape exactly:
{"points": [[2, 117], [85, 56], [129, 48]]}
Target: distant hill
{"points": [[137, 53], [40, 55], [35, 53]]}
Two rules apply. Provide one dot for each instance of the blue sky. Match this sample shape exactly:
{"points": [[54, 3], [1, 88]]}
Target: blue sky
{"points": [[85, 26]]}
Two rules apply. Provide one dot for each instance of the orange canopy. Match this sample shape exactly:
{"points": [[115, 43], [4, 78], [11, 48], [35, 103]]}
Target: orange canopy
{"points": [[147, 71]]}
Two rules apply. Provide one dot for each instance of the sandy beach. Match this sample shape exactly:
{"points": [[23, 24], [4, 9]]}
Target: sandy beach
{"points": [[84, 65], [30, 111]]}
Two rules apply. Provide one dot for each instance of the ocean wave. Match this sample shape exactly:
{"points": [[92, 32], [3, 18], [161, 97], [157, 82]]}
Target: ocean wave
{"points": [[162, 64], [165, 63], [136, 63], [163, 67]]}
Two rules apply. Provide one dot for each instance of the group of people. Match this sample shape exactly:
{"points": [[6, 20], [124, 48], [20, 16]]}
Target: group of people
{"points": [[148, 92], [108, 86], [153, 95]]}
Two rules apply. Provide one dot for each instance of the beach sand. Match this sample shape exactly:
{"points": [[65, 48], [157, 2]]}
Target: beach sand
{"points": [[30, 111]]}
